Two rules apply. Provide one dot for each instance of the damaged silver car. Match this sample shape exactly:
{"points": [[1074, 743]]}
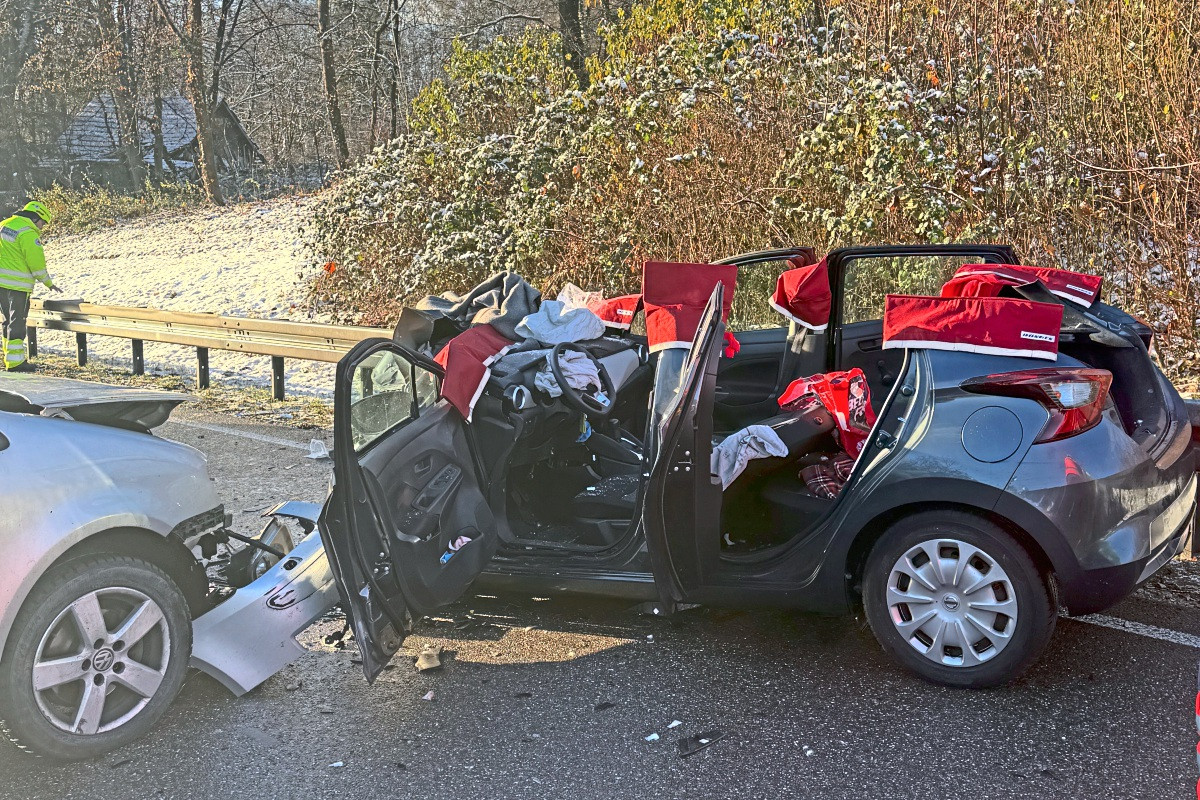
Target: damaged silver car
{"points": [[105, 532]]}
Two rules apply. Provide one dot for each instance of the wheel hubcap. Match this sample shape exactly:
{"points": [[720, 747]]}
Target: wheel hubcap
{"points": [[101, 660], [952, 602]]}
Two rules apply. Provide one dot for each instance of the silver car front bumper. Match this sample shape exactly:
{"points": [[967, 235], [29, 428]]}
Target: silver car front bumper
{"points": [[252, 634]]}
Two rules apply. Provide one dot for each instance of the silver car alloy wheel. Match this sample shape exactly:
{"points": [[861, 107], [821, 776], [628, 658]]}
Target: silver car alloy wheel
{"points": [[952, 602], [101, 660]]}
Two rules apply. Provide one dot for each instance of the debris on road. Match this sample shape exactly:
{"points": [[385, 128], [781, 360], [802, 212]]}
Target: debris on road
{"points": [[694, 744], [428, 696], [605, 706], [325, 709], [317, 450], [523, 695], [337, 765], [430, 658], [674, 724], [294, 685], [652, 737]]}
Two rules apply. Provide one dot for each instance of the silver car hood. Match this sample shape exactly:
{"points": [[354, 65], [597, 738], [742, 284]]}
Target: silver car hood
{"points": [[117, 406]]}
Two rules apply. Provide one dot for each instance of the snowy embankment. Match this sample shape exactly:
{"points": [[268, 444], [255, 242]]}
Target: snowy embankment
{"points": [[246, 260]]}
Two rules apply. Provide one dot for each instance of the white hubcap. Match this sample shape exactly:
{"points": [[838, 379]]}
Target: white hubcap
{"points": [[952, 602]]}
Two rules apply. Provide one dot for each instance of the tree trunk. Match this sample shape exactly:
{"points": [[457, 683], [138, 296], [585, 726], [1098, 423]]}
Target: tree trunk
{"points": [[160, 147], [329, 73], [571, 32], [115, 27], [206, 161]]}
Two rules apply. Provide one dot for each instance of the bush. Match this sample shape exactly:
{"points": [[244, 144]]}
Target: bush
{"points": [[94, 207], [1063, 128]]}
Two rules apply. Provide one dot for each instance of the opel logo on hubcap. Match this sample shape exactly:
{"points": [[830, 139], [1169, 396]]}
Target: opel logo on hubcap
{"points": [[950, 602], [103, 659]]}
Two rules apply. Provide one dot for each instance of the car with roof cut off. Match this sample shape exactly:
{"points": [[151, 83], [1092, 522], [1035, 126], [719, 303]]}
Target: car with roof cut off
{"points": [[1019, 454]]}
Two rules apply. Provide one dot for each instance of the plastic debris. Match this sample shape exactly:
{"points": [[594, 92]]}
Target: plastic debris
{"points": [[652, 737], [674, 724], [428, 696], [523, 695], [605, 706], [430, 658], [325, 709], [337, 765], [694, 744], [294, 685], [317, 450]]}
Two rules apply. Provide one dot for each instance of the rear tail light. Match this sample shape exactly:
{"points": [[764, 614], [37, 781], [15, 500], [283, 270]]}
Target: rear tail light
{"points": [[1074, 398]]}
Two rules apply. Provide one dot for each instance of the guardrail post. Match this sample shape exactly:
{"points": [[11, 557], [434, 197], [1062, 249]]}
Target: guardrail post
{"points": [[81, 349], [31, 342], [139, 360], [277, 377], [201, 367]]}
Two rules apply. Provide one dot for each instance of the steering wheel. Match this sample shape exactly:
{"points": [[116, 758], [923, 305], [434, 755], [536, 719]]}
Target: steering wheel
{"points": [[581, 401]]}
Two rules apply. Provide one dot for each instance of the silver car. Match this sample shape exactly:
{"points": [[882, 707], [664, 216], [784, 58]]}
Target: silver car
{"points": [[104, 596]]}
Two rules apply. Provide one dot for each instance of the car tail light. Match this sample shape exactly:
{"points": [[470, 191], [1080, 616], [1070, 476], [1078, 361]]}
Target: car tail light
{"points": [[1075, 398]]}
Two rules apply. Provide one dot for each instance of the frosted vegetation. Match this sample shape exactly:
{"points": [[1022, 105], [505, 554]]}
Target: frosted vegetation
{"points": [[1065, 129]]}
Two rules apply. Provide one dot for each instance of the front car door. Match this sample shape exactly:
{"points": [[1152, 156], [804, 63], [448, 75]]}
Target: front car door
{"points": [[406, 527], [682, 512]]}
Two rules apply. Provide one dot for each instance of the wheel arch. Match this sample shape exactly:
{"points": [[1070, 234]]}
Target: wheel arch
{"points": [[167, 553], [870, 533]]}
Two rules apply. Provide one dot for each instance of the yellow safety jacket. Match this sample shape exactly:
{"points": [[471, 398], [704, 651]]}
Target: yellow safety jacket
{"points": [[22, 261]]}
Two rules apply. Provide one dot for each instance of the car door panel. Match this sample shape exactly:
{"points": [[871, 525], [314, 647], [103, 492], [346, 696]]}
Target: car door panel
{"points": [[407, 526], [747, 383]]}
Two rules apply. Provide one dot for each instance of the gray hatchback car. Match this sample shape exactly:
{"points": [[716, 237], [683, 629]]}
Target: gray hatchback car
{"points": [[992, 491]]}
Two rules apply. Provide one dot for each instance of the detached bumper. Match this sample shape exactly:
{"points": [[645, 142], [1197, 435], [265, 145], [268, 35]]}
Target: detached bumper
{"points": [[251, 635]]}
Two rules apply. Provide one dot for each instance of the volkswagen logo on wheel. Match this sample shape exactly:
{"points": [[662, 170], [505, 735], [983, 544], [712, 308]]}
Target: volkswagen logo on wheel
{"points": [[103, 659]]}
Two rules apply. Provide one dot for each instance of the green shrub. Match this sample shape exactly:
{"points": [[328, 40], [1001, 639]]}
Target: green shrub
{"points": [[94, 207]]}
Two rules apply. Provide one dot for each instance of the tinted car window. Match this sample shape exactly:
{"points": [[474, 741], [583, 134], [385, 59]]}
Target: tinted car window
{"points": [[869, 279]]}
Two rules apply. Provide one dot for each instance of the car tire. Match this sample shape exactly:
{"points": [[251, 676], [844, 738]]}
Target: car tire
{"points": [[124, 687], [976, 617]]}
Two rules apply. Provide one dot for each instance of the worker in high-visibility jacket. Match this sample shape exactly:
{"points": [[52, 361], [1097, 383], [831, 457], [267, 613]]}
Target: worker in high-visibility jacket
{"points": [[22, 264]]}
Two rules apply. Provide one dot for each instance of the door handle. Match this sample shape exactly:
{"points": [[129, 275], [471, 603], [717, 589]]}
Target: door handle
{"points": [[868, 345], [422, 466]]}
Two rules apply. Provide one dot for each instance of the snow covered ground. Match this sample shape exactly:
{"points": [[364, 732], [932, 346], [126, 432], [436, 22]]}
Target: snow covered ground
{"points": [[245, 260]]}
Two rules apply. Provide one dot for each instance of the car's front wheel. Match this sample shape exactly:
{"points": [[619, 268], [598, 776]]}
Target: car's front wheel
{"points": [[97, 654], [957, 600]]}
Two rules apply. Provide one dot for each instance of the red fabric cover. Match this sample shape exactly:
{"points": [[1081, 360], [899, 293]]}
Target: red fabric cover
{"points": [[674, 296], [732, 345], [990, 325], [802, 295], [986, 280], [617, 312], [845, 395], [467, 359]]}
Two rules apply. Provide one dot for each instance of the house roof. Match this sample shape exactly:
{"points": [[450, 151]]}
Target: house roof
{"points": [[94, 133]]}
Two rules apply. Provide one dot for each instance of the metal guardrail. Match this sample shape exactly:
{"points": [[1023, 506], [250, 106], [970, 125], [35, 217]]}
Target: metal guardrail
{"points": [[278, 339]]}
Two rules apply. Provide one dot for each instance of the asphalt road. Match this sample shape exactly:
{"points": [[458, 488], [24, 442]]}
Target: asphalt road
{"points": [[553, 697]]}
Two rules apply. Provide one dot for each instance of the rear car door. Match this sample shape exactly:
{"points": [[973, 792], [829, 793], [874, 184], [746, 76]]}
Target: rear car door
{"points": [[748, 384], [406, 526], [862, 277], [683, 504]]}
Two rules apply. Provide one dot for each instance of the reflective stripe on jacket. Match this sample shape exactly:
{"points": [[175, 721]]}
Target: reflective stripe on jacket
{"points": [[22, 260]]}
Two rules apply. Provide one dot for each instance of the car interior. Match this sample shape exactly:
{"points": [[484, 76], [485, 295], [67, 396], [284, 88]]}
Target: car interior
{"points": [[566, 472]]}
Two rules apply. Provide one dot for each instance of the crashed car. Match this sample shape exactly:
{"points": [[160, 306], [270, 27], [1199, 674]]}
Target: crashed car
{"points": [[1022, 459], [105, 535]]}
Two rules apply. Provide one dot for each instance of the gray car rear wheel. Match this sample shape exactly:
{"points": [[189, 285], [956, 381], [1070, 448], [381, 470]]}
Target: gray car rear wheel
{"points": [[98, 652], [957, 600]]}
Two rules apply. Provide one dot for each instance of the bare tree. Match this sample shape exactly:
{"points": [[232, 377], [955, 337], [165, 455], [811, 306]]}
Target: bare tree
{"points": [[329, 73]]}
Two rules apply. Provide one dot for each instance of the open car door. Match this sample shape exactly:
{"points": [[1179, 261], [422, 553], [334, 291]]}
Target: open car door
{"points": [[683, 503], [406, 527]]}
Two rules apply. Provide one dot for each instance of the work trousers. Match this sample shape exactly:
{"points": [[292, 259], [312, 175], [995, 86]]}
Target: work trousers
{"points": [[14, 308]]}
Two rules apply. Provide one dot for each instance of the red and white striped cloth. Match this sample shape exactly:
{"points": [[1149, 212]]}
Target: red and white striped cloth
{"points": [[802, 295], [989, 325], [617, 312], [467, 359], [674, 296], [986, 280]]}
